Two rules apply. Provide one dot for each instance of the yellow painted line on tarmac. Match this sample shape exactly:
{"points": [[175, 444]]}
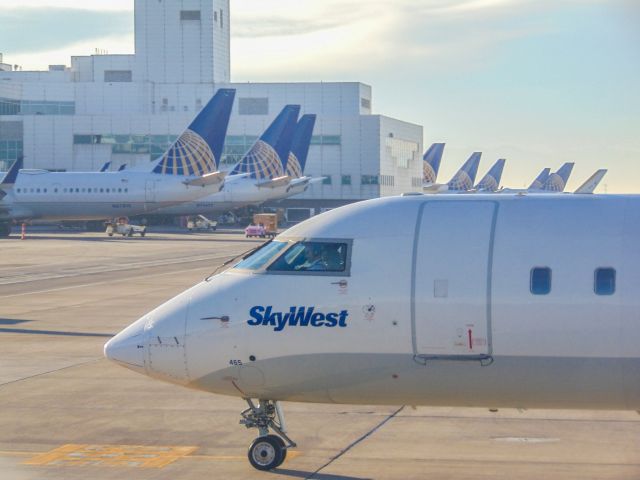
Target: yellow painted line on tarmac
{"points": [[136, 456], [6, 453], [111, 456]]}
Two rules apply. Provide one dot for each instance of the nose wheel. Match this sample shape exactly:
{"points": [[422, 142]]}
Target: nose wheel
{"points": [[268, 451]]}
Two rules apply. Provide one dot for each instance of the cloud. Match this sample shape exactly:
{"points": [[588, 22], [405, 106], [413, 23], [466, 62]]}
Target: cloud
{"points": [[357, 38], [84, 5], [27, 30]]}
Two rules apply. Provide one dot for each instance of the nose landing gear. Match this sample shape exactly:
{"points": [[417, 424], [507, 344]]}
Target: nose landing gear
{"points": [[268, 451]]}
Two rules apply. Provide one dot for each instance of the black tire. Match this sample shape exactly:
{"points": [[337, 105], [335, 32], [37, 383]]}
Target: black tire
{"points": [[284, 451], [267, 453]]}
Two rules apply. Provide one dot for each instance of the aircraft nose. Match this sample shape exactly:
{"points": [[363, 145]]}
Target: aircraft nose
{"points": [[128, 347]]}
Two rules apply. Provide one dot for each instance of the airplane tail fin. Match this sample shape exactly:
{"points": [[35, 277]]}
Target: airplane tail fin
{"points": [[10, 177], [265, 158], [592, 182], [491, 181], [431, 162], [464, 179], [297, 159], [105, 167], [540, 180], [557, 181], [198, 150], [122, 167]]}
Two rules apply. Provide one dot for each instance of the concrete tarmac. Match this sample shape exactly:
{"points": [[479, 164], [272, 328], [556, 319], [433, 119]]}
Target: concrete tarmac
{"points": [[67, 413]]}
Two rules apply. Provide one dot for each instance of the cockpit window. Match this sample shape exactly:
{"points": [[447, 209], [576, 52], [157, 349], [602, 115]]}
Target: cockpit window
{"points": [[260, 257], [312, 257]]}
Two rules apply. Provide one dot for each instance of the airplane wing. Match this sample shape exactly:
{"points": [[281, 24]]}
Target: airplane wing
{"points": [[435, 187], [275, 182], [592, 182], [208, 179]]}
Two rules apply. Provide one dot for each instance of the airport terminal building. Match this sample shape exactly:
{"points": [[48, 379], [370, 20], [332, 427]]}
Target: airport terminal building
{"points": [[127, 109]]}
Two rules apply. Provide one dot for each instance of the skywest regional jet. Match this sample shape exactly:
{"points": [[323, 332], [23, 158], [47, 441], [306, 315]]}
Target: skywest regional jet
{"points": [[337, 310], [188, 170]]}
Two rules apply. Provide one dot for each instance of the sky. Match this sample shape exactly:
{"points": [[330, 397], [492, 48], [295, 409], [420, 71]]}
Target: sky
{"points": [[538, 82]]}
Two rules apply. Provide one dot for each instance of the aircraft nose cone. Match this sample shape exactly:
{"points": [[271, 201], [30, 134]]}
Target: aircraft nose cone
{"points": [[128, 347]]}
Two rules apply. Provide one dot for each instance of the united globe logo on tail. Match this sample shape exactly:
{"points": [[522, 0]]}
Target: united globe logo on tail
{"points": [[461, 181], [189, 155], [262, 162], [293, 166], [428, 173], [295, 317]]}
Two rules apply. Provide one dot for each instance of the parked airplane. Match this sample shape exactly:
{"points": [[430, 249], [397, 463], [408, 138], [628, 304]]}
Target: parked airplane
{"points": [[592, 182], [188, 170], [540, 180], [557, 182], [431, 163], [259, 171], [462, 181], [337, 310], [545, 182], [491, 181], [297, 161]]}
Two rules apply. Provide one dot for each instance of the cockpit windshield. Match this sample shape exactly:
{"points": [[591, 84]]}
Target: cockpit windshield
{"points": [[260, 257], [312, 257]]}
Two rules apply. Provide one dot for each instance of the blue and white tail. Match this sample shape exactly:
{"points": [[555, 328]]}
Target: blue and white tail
{"points": [[10, 177], [264, 160], [464, 179], [540, 180], [491, 181], [431, 163], [297, 159], [105, 167], [198, 150], [592, 182], [557, 181]]}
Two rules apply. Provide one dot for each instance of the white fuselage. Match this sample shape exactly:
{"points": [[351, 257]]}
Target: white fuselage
{"points": [[237, 193], [436, 307], [38, 194]]}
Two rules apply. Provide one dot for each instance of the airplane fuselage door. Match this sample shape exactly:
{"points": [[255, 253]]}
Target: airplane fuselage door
{"points": [[452, 280], [150, 191]]}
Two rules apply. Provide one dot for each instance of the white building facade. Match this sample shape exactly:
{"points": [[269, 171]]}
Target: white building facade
{"points": [[126, 109]]}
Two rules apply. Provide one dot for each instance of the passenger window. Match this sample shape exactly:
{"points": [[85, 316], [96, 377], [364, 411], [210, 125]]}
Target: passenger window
{"points": [[258, 258], [605, 281], [313, 257], [540, 280]]}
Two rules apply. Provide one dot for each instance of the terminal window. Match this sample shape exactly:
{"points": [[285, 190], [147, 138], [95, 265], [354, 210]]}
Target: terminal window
{"points": [[346, 179], [118, 76], [190, 15], [369, 180], [253, 106]]}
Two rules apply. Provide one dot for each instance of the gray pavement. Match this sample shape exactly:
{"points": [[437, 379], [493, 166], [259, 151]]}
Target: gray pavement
{"points": [[66, 413]]}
